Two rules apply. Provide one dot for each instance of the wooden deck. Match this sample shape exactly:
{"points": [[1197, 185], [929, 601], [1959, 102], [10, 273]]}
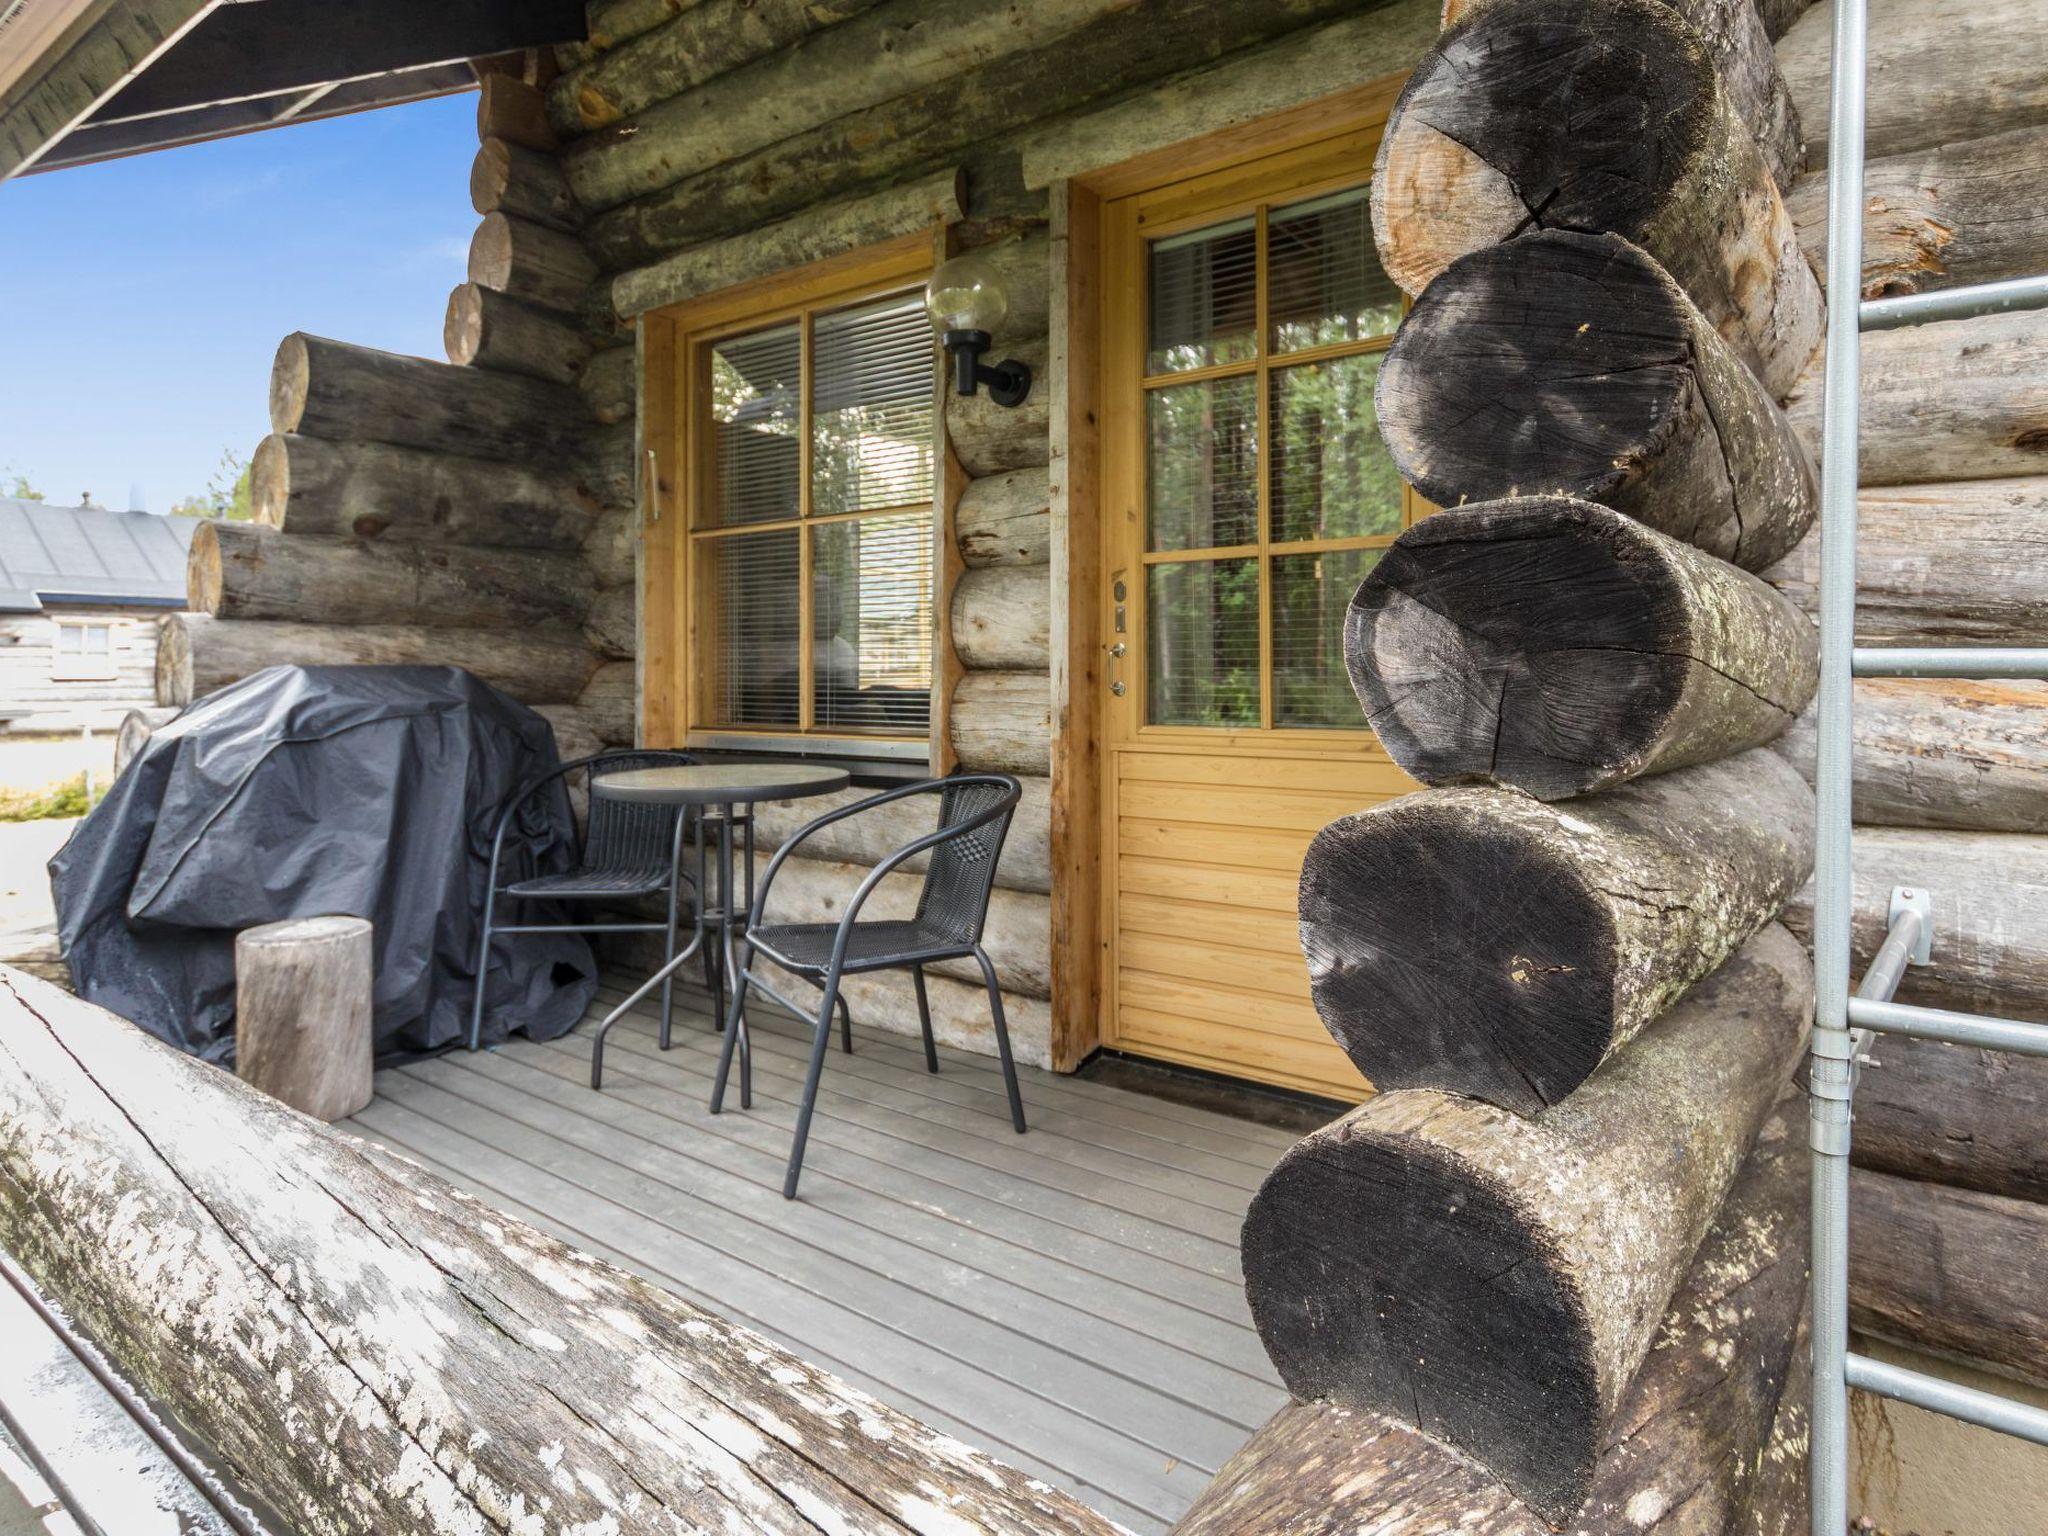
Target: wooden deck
{"points": [[1068, 1300]]}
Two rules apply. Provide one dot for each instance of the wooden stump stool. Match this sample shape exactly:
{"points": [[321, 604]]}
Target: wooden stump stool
{"points": [[302, 1013]]}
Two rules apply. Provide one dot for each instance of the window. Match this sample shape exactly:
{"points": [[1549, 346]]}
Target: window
{"points": [[808, 557], [82, 651]]}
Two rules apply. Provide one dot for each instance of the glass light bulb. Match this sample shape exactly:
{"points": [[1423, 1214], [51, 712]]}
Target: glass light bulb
{"points": [[966, 294]]}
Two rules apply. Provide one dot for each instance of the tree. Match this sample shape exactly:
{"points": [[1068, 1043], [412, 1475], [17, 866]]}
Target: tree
{"points": [[19, 488], [227, 493]]}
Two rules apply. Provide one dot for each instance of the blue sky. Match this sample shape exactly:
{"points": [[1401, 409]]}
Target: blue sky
{"points": [[143, 299]]}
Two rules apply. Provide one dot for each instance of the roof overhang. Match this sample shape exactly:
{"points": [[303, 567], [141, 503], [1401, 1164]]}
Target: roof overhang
{"points": [[89, 80]]}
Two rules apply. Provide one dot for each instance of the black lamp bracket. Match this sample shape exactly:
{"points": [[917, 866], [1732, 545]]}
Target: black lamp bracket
{"points": [[1008, 382]]}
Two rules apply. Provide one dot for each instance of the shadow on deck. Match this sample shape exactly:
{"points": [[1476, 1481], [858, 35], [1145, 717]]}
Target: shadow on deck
{"points": [[1068, 1300]]}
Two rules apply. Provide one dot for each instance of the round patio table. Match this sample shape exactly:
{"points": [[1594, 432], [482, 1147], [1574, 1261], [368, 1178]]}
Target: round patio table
{"points": [[725, 794]]}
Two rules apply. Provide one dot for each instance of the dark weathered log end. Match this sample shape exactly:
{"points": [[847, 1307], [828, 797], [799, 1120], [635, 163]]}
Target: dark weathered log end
{"points": [[1562, 647], [1574, 363]]}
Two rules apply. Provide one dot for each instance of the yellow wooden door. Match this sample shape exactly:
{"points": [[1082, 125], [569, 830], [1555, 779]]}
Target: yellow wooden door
{"points": [[1245, 495]]}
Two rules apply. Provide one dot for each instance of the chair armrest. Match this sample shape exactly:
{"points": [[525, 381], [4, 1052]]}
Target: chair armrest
{"points": [[818, 824]]}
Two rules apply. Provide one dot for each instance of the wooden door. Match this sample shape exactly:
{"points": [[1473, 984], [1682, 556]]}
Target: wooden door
{"points": [[1245, 495]]}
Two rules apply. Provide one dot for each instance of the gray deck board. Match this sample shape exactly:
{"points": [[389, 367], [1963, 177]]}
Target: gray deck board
{"points": [[1067, 1299]]}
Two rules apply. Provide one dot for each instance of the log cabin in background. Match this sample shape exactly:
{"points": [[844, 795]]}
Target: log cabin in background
{"points": [[690, 476]]}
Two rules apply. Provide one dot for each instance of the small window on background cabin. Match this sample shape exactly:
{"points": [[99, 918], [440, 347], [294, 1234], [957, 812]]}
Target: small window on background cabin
{"points": [[822, 463], [82, 651]]}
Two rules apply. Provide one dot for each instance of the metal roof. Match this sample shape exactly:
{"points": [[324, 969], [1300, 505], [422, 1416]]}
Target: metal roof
{"points": [[90, 555]]}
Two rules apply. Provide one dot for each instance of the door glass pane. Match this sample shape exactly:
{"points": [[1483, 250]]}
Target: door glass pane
{"points": [[1204, 303], [1311, 688], [756, 382], [871, 407], [1202, 642], [1202, 490], [871, 624], [1332, 477], [1325, 276], [749, 590]]}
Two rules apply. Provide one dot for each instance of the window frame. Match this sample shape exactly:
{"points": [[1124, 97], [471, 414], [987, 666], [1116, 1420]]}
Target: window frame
{"points": [[84, 666], [680, 631]]}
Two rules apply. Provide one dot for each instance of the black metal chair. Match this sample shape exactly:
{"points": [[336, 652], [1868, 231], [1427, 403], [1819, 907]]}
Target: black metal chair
{"points": [[628, 851], [974, 817]]}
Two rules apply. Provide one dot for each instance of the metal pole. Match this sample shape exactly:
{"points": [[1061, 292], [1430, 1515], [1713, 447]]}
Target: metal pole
{"points": [[1986, 1409], [1833, 1067], [1951, 661]]}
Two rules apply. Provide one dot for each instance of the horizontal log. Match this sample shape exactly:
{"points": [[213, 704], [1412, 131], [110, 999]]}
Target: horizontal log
{"points": [[612, 23], [1609, 116], [702, 42], [196, 655], [1952, 564], [1949, 1114], [1496, 1282], [397, 1312], [612, 552], [1990, 894], [1688, 1442], [525, 183], [245, 571], [334, 390], [487, 329], [1956, 1273], [1002, 618], [1936, 752], [514, 110], [609, 702], [1003, 721], [815, 234], [1778, 16], [306, 485], [1571, 363], [1962, 400], [871, 836], [574, 738], [877, 57], [1966, 212], [608, 467], [531, 262], [610, 382], [990, 439], [1436, 963], [1005, 519], [1562, 648], [1239, 86], [1940, 71]]}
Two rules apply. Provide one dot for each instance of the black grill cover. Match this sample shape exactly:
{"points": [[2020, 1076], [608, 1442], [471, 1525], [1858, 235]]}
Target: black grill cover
{"points": [[370, 791]]}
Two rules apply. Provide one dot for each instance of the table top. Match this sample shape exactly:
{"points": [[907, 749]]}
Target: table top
{"points": [[720, 783]]}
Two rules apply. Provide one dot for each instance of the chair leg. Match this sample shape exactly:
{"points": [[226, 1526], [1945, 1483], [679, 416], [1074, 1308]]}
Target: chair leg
{"points": [[668, 986], [924, 1020], [845, 1026], [735, 1033], [483, 963], [995, 1008], [819, 1045]]}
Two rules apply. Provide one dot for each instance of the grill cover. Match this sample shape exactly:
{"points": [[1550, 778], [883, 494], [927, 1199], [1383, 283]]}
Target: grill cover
{"points": [[300, 791]]}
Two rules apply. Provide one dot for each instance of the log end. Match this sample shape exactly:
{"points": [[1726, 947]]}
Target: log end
{"points": [[462, 331], [1451, 1314], [1535, 642], [203, 570], [490, 252], [291, 377], [270, 480], [173, 662], [489, 175], [1450, 946]]}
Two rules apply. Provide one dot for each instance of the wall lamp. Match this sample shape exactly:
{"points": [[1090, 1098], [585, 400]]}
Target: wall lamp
{"points": [[966, 301]]}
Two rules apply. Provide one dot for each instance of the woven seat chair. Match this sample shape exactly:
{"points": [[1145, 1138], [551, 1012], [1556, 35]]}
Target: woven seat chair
{"points": [[628, 850], [974, 813]]}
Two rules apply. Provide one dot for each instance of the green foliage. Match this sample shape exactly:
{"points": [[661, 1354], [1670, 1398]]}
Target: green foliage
{"points": [[19, 488], [65, 798], [227, 493]]}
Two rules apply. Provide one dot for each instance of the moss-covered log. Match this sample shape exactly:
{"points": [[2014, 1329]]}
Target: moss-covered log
{"points": [[1561, 648], [1686, 1453], [378, 490], [1496, 1282], [1482, 942], [525, 183], [195, 655], [1601, 116], [246, 571], [484, 328], [1572, 363], [532, 262], [372, 1349]]}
